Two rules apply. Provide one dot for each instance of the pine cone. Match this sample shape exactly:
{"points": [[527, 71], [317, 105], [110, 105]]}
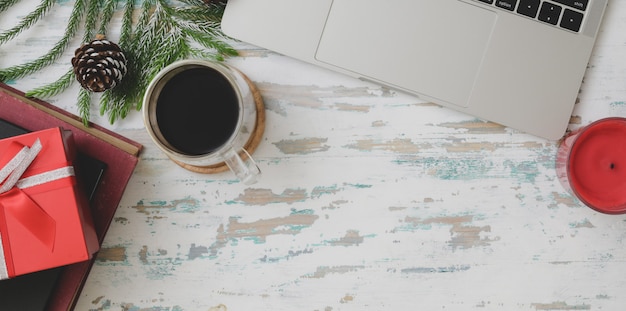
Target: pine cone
{"points": [[99, 65]]}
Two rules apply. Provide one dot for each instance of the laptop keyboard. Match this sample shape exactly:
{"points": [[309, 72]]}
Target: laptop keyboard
{"points": [[567, 14]]}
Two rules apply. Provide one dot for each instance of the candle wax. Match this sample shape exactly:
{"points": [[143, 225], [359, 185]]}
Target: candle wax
{"points": [[597, 165]]}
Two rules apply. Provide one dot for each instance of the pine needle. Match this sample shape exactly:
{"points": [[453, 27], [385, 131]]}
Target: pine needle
{"points": [[127, 23], [107, 14], [84, 105], [5, 4], [22, 70], [27, 21], [54, 88], [66, 80], [120, 93], [93, 7]]}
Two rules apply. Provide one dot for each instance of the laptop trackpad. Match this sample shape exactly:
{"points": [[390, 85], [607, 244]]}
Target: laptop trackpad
{"points": [[431, 47]]}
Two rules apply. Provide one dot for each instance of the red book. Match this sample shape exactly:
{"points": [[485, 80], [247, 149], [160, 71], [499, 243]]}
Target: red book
{"points": [[119, 153]]}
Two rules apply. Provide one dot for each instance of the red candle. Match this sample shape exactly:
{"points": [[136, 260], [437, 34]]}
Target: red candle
{"points": [[591, 163]]}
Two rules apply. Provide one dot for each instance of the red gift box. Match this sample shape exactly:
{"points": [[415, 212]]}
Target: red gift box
{"points": [[44, 218]]}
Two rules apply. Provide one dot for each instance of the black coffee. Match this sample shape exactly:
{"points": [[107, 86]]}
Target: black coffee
{"points": [[197, 111]]}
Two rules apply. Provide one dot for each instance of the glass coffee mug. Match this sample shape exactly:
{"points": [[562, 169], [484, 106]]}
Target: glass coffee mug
{"points": [[202, 114]]}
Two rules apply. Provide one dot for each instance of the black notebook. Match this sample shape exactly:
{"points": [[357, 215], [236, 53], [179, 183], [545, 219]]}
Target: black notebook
{"points": [[31, 292]]}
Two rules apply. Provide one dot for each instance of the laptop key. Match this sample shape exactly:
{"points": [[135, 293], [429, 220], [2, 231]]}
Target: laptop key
{"points": [[571, 20], [547, 12], [576, 4], [550, 13], [506, 4], [529, 8]]}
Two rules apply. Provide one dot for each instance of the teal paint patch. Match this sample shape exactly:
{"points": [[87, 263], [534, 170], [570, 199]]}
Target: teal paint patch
{"points": [[411, 227], [186, 205], [585, 223], [320, 191], [255, 239], [302, 212], [618, 108], [456, 169], [546, 156], [525, 171], [288, 256], [157, 264], [359, 186], [450, 269], [482, 164], [464, 169], [163, 268], [291, 228], [334, 189]]}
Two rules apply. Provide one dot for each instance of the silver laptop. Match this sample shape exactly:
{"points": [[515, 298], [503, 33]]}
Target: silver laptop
{"points": [[519, 63]]}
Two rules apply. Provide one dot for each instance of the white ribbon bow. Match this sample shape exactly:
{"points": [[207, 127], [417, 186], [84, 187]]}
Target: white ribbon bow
{"points": [[18, 165]]}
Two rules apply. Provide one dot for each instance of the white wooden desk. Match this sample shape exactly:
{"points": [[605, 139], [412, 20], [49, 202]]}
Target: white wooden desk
{"points": [[369, 199]]}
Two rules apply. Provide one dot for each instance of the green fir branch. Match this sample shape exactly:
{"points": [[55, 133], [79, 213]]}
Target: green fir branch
{"points": [[27, 21], [84, 97], [144, 17], [127, 23], [54, 88], [5, 4], [142, 37], [93, 7], [118, 101], [211, 43], [67, 79], [84, 105], [163, 33], [205, 54], [107, 15], [201, 14], [196, 3], [196, 23], [22, 70], [120, 94]]}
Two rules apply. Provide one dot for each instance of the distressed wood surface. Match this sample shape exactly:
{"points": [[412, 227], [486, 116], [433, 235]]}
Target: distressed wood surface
{"points": [[369, 199]]}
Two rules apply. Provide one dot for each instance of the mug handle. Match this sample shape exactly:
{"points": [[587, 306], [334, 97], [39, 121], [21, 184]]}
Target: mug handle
{"points": [[246, 170]]}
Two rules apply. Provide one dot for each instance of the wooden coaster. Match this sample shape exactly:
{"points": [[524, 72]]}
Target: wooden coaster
{"points": [[252, 143]]}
